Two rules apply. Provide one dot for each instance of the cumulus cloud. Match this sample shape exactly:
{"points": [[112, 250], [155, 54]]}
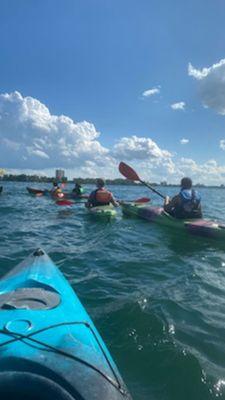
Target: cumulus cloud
{"points": [[184, 141], [211, 82], [209, 173], [139, 148], [31, 137], [178, 106], [151, 92], [32, 140], [222, 144]]}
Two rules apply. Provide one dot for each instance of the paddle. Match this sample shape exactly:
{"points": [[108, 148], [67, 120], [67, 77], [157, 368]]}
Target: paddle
{"points": [[130, 174]]}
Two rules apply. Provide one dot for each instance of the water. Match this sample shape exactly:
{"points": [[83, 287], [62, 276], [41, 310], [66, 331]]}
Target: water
{"points": [[157, 298]]}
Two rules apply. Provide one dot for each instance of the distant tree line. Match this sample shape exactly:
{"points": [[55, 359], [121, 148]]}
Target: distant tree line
{"points": [[86, 181], [83, 181]]}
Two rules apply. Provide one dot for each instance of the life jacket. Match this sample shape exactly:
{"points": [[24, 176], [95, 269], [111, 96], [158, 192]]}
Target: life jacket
{"points": [[189, 205], [102, 197], [57, 193]]}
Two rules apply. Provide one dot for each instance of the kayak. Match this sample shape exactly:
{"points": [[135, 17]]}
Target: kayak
{"points": [[38, 192], [103, 211], [49, 346], [46, 192], [199, 227]]}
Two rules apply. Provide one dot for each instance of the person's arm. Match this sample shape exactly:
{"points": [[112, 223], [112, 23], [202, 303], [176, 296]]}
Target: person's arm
{"points": [[169, 204], [88, 204], [166, 201], [114, 202]]}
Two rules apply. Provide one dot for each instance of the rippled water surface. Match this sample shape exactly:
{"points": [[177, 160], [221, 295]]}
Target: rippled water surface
{"points": [[157, 297]]}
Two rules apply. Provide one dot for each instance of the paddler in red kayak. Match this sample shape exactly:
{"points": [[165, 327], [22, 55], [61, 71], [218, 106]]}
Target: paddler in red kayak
{"points": [[186, 204], [56, 190], [101, 196]]}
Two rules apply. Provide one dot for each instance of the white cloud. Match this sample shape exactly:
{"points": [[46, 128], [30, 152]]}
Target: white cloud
{"points": [[32, 140], [151, 92], [201, 74], [184, 141], [139, 148], [31, 137], [178, 106], [211, 83], [222, 144]]}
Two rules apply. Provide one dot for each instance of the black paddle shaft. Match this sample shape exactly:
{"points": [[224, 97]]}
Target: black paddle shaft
{"points": [[154, 190]]}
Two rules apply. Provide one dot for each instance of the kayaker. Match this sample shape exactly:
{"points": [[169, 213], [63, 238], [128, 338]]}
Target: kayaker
{"points": [[101, 196], [56, 190], [77, 190], [186, 204]]}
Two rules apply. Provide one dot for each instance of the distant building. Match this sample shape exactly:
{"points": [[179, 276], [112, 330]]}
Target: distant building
{"points": [[163, 183], [59, 174]]}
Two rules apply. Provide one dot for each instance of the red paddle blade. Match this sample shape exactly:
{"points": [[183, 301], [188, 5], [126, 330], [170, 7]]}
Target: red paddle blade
{"points": [[128, 172], [64, 202], [143, 200]]}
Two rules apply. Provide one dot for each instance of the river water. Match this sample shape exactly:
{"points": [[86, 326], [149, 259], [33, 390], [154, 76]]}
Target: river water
{"points": [[157, 297]]}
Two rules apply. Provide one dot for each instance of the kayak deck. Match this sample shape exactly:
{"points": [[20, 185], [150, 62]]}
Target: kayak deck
{"points": [[44, 330], [103, 211], [199, 227]]}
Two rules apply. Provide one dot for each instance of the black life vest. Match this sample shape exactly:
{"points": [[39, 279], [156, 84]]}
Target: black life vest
{"points": [[188, 205]]}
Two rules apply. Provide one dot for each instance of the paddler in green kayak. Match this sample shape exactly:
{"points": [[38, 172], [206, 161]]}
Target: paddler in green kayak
{"points": [[101, 196], [77, 190], [186, 204]]}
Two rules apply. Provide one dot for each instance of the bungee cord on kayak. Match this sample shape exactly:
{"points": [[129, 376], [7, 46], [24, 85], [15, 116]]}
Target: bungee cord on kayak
{"points": [[18, 336]]}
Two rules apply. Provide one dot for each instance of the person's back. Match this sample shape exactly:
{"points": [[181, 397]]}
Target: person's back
{"points": [[185, 205], [77, 190], [101, 196]]}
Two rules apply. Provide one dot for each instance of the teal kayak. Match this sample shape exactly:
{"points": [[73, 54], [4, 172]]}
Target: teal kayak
{"points": [[103, 211], [49, 346], [199, 227]]}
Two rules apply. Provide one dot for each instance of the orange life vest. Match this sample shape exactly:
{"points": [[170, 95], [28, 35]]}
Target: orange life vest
{"points": [[103, 196]]}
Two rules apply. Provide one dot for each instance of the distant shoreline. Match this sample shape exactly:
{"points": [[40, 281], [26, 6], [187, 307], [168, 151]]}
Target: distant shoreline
{"points": [[91, 181]]}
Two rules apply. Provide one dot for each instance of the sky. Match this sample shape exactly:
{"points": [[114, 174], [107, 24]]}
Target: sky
{"points": [[85, 84]]}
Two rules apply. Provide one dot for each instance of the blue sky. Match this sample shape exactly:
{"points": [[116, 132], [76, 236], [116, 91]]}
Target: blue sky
{"points": [[92, 61]]}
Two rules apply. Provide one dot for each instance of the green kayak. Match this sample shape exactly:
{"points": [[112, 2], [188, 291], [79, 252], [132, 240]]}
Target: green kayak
{"points": [[199, 227], [103, 211]]}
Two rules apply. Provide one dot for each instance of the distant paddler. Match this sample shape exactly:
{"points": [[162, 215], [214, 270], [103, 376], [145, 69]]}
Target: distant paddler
{"points": [[56, 190], [101, 196], [78, 190]]}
